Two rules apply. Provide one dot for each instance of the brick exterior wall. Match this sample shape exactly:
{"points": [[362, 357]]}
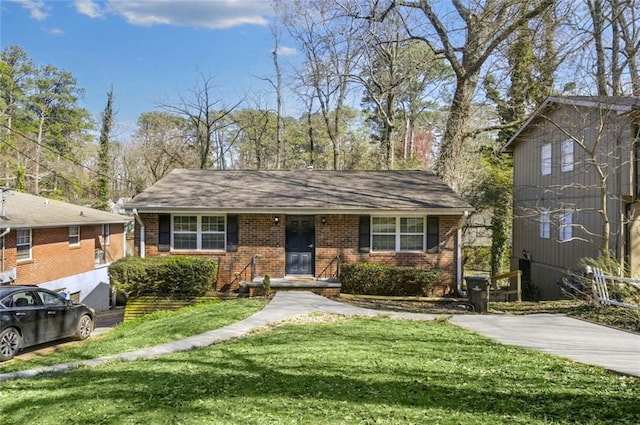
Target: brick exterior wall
{"points": [[53, 258], [259, 235]]}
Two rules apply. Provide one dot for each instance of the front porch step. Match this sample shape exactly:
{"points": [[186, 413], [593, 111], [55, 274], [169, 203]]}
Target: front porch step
{"points": [[327, 288]]}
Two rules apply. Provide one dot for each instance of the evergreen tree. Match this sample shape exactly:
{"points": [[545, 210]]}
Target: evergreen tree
{"points": [[104, 167]]}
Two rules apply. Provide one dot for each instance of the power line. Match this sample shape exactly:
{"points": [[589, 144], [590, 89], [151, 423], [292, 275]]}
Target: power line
{"points": [[72, 160], [47, 168]]}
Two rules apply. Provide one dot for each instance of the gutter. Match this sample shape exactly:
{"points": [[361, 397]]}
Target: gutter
{"points": [[459, 258], [141, 224], [2, 235]]}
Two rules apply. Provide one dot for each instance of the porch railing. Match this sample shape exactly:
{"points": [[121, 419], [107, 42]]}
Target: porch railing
{"points": [[249, 269], [332, 270]]}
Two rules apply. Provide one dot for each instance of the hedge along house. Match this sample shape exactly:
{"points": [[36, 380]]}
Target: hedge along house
{"points": [[60, 246], [302, 223]]}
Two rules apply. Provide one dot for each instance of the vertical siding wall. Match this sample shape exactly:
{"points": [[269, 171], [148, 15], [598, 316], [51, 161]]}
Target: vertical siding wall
{"points": [[602, 132], [258, 235]]}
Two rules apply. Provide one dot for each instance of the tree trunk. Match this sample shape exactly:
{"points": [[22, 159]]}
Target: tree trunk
{"points": [[449, 164], [37, 158], [597, 17], [279, 121]]}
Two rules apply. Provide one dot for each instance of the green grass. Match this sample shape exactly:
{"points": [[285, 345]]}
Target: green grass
{"points": [[350, 371], [147, 331]]}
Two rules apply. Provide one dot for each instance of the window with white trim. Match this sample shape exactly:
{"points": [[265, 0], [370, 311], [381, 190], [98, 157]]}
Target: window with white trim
{"points": [[567, 155], [213, 232], [545, 225], [23, 244], [565, 229], [383, 233], [105, 234], [545, 159], [74, 235], [198, 232], [397, 233]]}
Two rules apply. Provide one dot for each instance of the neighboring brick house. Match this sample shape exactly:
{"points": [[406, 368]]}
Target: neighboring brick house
{"points": [[298, 222], [576, 173], [60, 246]]}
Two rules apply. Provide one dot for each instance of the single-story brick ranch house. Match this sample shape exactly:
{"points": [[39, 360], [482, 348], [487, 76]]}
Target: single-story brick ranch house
{"points": [[60, 246], [296, 223]]}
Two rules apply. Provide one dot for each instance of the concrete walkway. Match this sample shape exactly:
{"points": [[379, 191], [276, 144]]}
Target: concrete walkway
{"points": [[555, 334]]}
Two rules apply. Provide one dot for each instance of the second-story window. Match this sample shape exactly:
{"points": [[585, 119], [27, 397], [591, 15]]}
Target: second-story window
{"points": [[545, 159], [567, 155]]}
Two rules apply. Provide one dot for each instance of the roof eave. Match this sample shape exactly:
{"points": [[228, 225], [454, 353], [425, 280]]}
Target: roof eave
{"points": [[457, 210]]}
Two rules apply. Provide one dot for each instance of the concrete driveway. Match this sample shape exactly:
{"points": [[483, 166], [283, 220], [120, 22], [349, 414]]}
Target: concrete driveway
{"points": [[562, 336]]}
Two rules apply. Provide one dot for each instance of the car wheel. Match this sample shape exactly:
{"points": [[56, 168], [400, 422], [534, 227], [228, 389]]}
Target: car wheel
{"points": [[85, 326], [9, 343]]}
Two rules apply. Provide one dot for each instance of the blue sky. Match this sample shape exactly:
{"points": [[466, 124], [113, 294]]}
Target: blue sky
{"points": [[149, 50]]}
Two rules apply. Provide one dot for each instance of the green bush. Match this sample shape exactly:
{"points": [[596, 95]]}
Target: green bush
{"points": [[374, 279], [180, 275], [477, 258]]}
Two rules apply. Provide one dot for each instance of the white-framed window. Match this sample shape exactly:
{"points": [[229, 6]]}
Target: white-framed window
{"points": [[565, 228], [567, 155], [105, 234], [545, 225], [383, 233], [397, 233], [213, 232], [198, 232], [23, 244], [545, 159], [74, 235]]}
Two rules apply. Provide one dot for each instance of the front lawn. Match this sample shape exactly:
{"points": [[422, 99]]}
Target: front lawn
{"points": [[147, 331], [332, 370]]}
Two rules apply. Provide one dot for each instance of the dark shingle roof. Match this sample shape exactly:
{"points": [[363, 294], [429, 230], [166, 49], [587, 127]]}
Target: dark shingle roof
{"points": [[309, 191], [24, 210]]}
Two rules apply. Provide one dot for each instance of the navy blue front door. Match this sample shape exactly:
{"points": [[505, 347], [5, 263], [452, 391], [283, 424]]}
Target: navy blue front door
{"points": [[300, 238]]}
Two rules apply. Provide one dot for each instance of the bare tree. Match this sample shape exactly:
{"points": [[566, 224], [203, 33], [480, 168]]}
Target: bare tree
{"points": [[466, 34], [610, 29], [331, 49], [205, 114]]}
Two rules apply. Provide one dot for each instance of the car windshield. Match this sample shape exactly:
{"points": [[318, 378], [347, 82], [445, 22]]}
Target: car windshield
{"points": [[51, 299]]}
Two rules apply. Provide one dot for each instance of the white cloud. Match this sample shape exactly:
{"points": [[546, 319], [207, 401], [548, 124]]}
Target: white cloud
{"points": [[56, 31], [287, 51], [38, 10], [89, 8], [211, 14]]}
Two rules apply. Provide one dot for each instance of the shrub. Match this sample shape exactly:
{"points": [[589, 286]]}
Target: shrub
{"points": [[374, 279], [181, 275]]}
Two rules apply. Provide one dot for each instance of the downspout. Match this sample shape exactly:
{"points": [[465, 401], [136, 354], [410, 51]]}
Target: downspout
{"points": [[141, 224], [2, 235], [459, 258]]}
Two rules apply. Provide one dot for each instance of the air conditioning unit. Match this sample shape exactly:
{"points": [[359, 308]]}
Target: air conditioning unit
{"points": [[8, 277]]}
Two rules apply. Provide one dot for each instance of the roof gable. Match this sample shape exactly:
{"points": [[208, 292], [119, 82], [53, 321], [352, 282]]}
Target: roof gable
{"points": [[617, 104], [320, 191]]}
